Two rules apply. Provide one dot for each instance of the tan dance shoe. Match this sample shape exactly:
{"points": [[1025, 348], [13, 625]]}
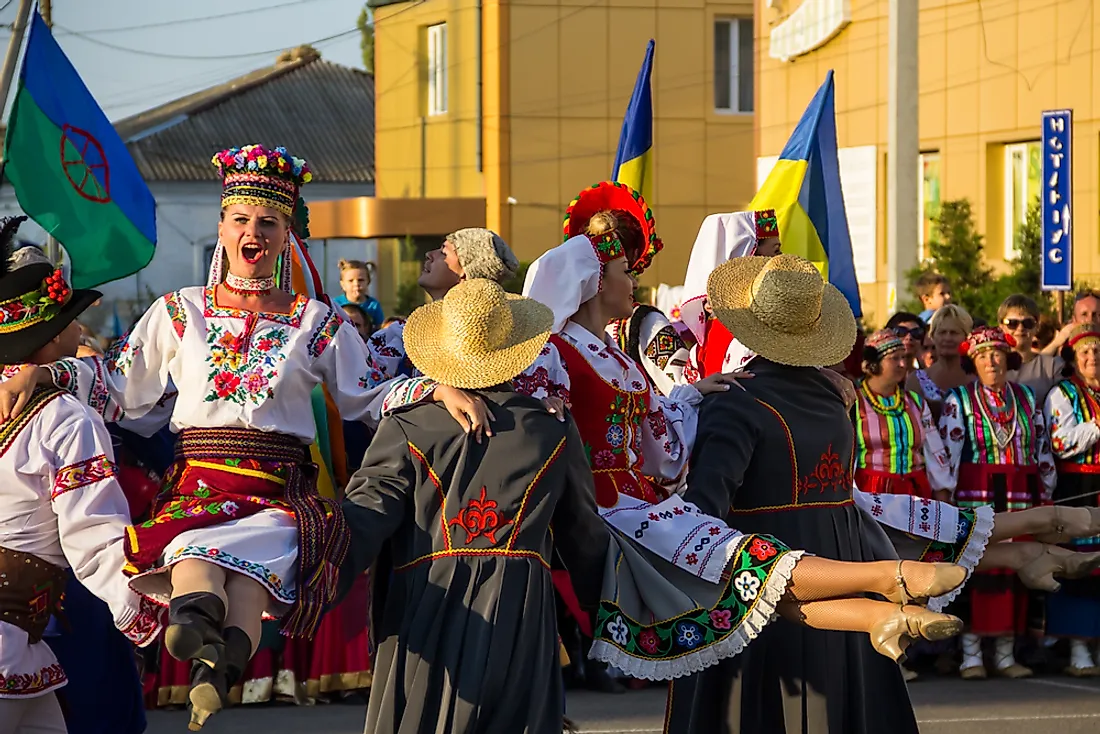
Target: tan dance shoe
{"points": [[1067, 523], [1015, 672], [947, 577], [891, 635], [1089, 672], [974, 672]]}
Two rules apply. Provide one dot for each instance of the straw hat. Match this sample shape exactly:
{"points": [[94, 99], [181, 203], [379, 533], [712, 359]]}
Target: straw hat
{"points": [[782, 309], [477, 336]]}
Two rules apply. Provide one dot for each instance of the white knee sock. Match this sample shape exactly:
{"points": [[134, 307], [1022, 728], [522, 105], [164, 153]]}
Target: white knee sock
{"points": [[1079, 655]]}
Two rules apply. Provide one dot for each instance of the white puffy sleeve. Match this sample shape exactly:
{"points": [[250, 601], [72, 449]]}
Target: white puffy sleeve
{"points": [[953, 434], [662, 352], [132, 380], [668, 432], [341, 360], [546, 378], [92, 519], [937, 461], [1068, 438]]}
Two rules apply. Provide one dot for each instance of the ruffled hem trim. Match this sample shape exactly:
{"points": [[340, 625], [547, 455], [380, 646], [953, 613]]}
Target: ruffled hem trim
{"points": [[762, 614], [970, 556], [229, 562]]}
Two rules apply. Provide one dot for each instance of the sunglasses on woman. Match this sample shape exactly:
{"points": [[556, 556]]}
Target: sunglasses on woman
{"points": [[916, 332], [1013, 324]]}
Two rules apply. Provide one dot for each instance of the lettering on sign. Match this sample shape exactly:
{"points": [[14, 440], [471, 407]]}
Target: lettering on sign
{"points": [[1057, 201], [813, 25]]}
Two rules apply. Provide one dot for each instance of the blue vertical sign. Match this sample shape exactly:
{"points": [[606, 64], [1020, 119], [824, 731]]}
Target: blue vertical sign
{"points": [[1057, 200]]}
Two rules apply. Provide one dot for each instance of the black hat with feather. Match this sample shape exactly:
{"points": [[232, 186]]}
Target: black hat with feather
{"points": [[36, 304]]}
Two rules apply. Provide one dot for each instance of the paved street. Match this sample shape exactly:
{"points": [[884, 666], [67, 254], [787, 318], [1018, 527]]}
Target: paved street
{"points": [[944, 706]]}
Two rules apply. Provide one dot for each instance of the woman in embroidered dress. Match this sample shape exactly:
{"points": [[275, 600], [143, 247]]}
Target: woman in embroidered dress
{"points": [[647, 337], [1000, 455], [898, 447], [947, 329], [1073, 412], [721, 238], [240, 529]]}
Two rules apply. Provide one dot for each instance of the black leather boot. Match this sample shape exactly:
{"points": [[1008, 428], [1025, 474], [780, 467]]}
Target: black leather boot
{"points": [[194, 631], [238, 651], [209, 692]]}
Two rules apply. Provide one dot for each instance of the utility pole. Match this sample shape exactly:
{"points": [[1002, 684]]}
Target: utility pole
{"points": [[903, 147]]}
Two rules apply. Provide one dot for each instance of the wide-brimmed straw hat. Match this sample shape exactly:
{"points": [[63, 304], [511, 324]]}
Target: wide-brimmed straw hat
{"points": [[781, 308], [477, 336]]}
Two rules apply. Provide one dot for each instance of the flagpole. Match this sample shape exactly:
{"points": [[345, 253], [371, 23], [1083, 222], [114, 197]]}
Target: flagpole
{"points": [[53, 251], [11, 58]]}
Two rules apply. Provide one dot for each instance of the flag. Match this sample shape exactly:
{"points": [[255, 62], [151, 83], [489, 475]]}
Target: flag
{"points": [[804, 190], [72, 173], [634, 159]]}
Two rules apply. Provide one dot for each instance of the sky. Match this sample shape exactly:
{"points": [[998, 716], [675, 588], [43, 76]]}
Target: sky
{"points": [[125, 69]]}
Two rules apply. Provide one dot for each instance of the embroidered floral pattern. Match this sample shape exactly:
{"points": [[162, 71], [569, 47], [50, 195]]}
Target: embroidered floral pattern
{"points": [[176, 313], [258, 571], [480, 518], [75, 476], [408, 392], [760, 549], [146, 623], [829, 475], [242, 373], [120, 356], [324, 335], [699, 628], [539, 380], [665, 343], [33, 684]]}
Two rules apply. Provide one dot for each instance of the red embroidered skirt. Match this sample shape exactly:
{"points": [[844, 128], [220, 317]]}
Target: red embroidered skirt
{"points": [[212, 482], [612, 482], [998, 601], [880, 482]]}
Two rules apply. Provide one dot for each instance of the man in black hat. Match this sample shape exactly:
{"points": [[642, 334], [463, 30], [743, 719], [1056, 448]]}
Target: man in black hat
{"points": [[60, 503]]}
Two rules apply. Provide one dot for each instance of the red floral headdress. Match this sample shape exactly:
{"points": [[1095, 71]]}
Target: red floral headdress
{"points": [[608, 195]]}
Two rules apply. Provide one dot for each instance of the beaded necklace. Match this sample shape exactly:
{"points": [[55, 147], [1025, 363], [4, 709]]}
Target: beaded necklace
{"points": [[884, 405], [249, 286], [1000, 411]]}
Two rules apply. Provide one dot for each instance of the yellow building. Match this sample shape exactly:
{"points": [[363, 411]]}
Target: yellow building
{"points": [[987, 72], [500, 112]]}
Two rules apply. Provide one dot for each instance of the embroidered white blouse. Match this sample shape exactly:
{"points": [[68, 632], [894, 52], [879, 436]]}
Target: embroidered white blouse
{"points": [[1070, 436], [662, 353], [666, 455], [231, 368], [60, 500]]}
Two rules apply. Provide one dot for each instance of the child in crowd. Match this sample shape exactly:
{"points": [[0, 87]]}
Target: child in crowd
{"points": [[355, 279], [934, 291], [358, 317]]}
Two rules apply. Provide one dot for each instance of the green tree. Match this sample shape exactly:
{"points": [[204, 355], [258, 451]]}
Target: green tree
{"points": [[515, 283], [365, 24]]}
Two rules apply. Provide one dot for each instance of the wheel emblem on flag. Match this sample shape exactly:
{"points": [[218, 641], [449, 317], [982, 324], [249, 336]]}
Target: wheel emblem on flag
{"points": [[82, 158]]}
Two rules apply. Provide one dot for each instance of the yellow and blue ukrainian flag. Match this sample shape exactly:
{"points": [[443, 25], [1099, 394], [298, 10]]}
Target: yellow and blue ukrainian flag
{"points": [[634, 159], [804, 190]]}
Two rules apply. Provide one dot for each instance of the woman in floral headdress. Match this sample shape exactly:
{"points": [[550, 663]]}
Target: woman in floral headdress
{"points": [[997, 439], [239, 529], [1073, 410], [721, 238], [648, 337]]}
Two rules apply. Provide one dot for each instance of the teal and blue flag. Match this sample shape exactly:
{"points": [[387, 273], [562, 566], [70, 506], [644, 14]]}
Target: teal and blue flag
{"points": [[634, 159], [71, 171], [804, 190]]}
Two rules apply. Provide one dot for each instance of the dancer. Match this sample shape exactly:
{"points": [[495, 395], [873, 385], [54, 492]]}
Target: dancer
{"points": [[61, 508], [1000, 455], [788, 422], [721, 238], [898, 446], [239, 529], [1073, 412], [647, 337], [468, 636]]}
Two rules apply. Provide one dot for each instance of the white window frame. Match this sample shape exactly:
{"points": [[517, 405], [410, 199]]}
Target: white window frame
{"points": [[437, 69], [922, 245], [1011, 252], [733, 27]]}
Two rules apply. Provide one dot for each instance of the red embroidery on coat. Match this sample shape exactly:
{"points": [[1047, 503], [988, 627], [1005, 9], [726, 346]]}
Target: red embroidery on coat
{"points": [[829, 474], [480, 517]]}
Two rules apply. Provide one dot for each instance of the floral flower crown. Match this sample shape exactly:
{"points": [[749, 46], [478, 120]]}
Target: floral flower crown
{"points": [[263, 177]]}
